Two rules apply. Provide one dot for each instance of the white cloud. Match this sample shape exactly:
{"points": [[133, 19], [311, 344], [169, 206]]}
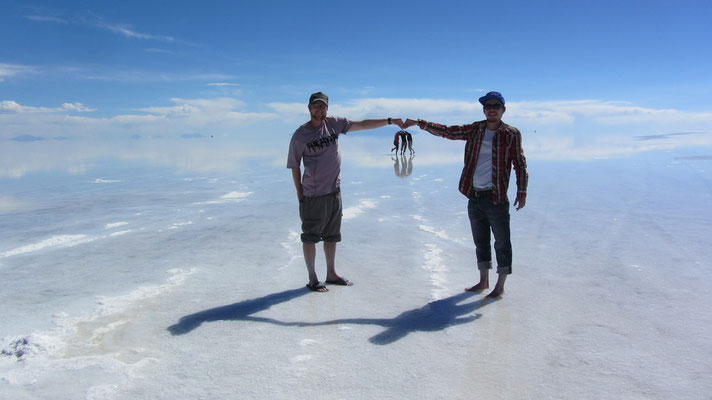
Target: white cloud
{"points": [[539, 116], [203, 112], [134, 76], [90, 19], [604, 112], [45, 18], [9, 106], [10, 70], [127, 31], [76, 107], [207, 116]]}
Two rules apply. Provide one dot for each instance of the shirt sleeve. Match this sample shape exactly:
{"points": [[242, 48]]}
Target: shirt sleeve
{"points": [[453, 132], [294, 156], [341, 124], [519, 162]]}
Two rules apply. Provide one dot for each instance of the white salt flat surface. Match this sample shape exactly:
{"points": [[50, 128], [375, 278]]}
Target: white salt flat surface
{"points": [[147, 283]]}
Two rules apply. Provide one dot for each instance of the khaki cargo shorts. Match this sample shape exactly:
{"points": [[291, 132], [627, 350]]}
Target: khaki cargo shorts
{"points": [[321, 218]]}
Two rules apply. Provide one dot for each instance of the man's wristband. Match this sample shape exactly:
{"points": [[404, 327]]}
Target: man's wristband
{"points": [[389, 120]]}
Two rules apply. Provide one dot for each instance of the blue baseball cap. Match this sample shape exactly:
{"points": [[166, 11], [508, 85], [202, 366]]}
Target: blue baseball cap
{"points": [[491, 96]]}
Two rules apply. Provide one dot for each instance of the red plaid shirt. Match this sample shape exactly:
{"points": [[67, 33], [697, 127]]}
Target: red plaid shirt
{"points": [[506, 152]]}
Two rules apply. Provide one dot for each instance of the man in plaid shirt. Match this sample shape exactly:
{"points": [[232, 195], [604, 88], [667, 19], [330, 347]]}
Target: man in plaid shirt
{"points": [[492, 148]]}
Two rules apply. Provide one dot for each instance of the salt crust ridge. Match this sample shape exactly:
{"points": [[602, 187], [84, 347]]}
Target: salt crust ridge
{"points": [[46, 353]]}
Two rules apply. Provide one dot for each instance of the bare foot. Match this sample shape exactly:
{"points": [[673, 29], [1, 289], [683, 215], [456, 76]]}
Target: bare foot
{"points": [[496, 294], [478, 288]]}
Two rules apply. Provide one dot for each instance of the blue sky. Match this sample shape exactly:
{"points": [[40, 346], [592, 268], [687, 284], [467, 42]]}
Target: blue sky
{"points": [[582, 73]]}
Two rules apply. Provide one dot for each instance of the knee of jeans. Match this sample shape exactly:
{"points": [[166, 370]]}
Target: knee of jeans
{"points": [[484, 265], [505, 270]]}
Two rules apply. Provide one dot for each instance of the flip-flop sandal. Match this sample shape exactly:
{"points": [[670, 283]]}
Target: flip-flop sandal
{"points": [[318, 287], [340, 281]]}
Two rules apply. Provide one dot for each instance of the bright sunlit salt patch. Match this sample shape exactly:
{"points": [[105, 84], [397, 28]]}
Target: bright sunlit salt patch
{"points": [[301, 358], [177, 225], [236, 195], [435, 265], [232, 197], [308, 342], [292, 236], [355, 211], [54, 241], [441, 234], [114, 305], [293, 247], [99, 333], [115, 225]]}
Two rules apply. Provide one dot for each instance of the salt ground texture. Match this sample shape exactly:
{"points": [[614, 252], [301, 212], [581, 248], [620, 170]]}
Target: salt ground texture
{"points": [[128, 281]]}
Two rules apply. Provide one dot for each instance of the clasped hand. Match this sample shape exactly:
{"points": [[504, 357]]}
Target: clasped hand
{"points": [[404, 125]]}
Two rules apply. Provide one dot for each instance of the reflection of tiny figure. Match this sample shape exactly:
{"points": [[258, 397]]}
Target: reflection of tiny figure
{"points": [[402, 167]]}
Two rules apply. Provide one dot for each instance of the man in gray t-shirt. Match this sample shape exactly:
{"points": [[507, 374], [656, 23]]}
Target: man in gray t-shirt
{"points": [[316, 145]]}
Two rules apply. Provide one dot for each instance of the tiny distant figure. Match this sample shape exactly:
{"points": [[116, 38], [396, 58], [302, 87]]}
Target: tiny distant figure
{"points": [[405, 139], [409, 139], [398, 137]]}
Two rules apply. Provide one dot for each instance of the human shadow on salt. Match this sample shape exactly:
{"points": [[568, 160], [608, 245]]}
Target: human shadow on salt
{"points": [[241, 311], [434, 316]]}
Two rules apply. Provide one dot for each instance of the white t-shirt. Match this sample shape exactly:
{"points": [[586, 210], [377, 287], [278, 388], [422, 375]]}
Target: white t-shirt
{"points": [[482, 178]]}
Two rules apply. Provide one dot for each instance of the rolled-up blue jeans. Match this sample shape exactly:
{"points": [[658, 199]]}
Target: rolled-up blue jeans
{"points": [[486, 217]]}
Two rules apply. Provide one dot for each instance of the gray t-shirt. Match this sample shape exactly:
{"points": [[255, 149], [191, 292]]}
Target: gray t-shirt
{"points": [[482, 178], [319, 150]]}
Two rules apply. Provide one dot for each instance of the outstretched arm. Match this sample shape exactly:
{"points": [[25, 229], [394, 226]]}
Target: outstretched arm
{"points": [[374, 123], [454, 132]]}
